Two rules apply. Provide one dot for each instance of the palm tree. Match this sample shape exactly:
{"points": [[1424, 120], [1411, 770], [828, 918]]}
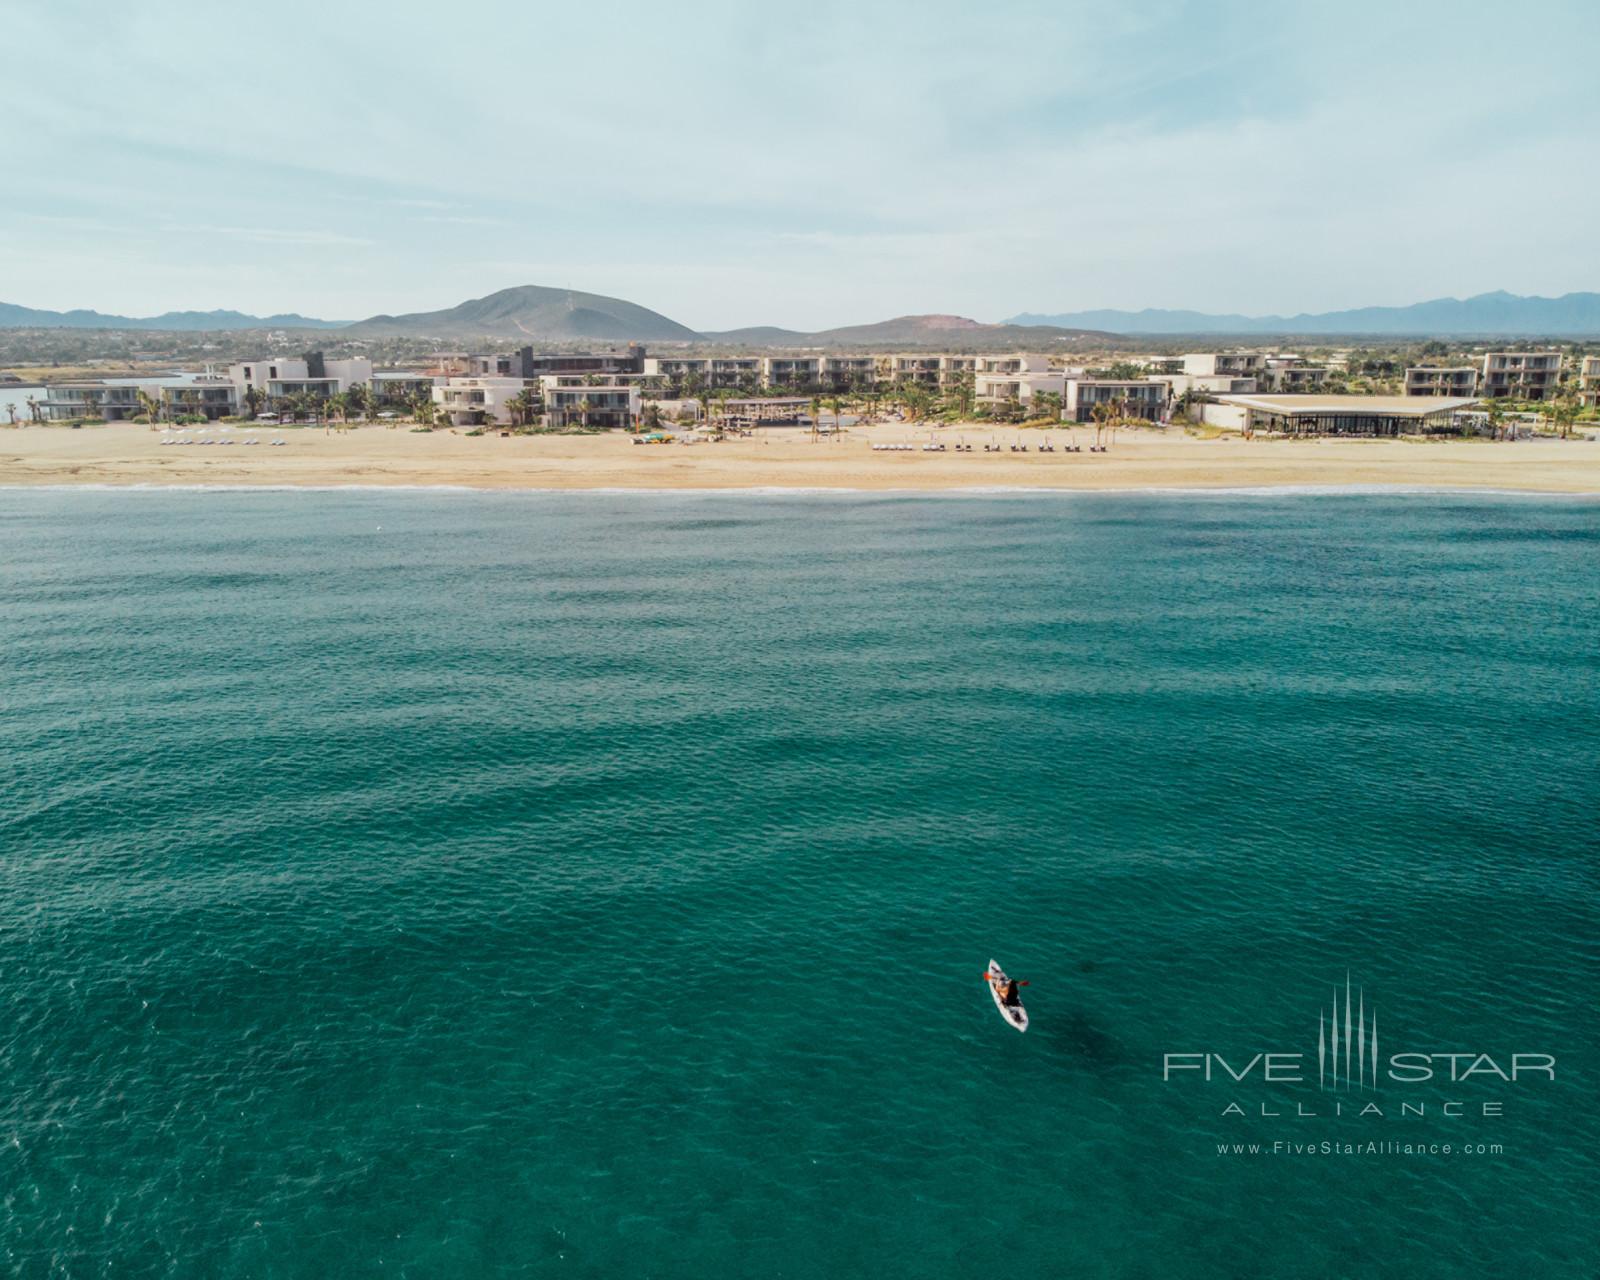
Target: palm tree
{"points": [[253, 396], [149, 405], [1564, 412], [1120, 404], [1100, 411], [520, 406], [584, 408], [1497, 419], [359, 399]]}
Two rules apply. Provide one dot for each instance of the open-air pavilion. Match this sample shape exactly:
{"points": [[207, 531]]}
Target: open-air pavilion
{"points": [[1335, 415], [769, 411]]}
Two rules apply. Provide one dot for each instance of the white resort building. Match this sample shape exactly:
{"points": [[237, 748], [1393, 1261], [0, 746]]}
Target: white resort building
{"points": [[1589, 381], [1141, 398], [1441, 380], [1525, 375], [466, 402]]}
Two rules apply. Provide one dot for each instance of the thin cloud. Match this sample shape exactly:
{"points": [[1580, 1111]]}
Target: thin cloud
{"points": [[272, 235]]}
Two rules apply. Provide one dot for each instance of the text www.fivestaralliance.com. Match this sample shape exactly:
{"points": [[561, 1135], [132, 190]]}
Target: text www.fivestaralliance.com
{"points": [[1389, 1148]]}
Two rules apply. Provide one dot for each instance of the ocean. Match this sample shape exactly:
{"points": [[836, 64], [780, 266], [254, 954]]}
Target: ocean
{"points": [[455, 884]]}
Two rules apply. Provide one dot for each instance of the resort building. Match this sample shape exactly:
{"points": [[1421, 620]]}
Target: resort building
{"points": [[919, 369], [1441, 380], [800, 372], [1204, 384], [207, 397], [845, 373], [278, 377], [1589, 381], [687, 375], [120, 399], [111, 400], [676, 371], [466, 402], [1237, 363], [997, 386], [463, 364], [1290, 373], [928, 370], [400, 386], [1525, 375], [605, 364], [1338, 415], [573, 401], [1133, 399]]}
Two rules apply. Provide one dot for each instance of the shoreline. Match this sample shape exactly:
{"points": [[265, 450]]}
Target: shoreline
{"points": [[797, 491], [779, 461]]}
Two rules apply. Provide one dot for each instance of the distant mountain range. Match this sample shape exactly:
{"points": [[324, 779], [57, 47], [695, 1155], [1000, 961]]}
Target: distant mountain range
{"points": [[1496, 314], [15, 317], [533, 313], [918, 331]]}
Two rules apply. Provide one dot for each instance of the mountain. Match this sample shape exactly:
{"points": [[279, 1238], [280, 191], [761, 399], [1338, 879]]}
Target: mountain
{"points": [[15, 317], [1485, 315], [531, 311], [907, 331], [760, 335]]}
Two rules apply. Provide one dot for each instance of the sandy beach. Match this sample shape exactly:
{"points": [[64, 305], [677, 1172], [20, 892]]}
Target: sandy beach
{"points": [[390, 456]]}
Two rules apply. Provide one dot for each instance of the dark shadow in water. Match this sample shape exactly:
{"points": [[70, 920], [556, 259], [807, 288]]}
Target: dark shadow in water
{"points": [[1077, 1036]]}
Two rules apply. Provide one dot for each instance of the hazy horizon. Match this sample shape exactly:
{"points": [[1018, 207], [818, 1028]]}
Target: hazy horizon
{"points": [[840, 167]]}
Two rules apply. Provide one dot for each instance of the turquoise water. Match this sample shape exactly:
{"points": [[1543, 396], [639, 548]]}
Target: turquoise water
{"points": [[440, 884]]}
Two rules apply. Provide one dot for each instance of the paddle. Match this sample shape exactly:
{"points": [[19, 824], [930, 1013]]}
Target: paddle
{"points": [[989, 977]]}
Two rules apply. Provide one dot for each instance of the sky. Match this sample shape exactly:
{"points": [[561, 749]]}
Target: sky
{"points": [[733, 163]]}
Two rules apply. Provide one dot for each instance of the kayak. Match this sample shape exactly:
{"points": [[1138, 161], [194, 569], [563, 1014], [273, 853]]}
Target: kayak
{"points": [[1016, 1015]]}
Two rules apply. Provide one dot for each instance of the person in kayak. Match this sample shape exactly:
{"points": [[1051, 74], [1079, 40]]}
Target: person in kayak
{"points": [[1011, 994]]}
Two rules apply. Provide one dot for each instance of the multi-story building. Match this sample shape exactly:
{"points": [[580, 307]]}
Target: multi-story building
{"points": [[399, 386], [120, 399], [113, 400], [1589, 381], [1236, 363], [1525, 375], [469, 401], [463, 364], [997, 388], [687, 375], [846, 373], [1286, 372], [1020, 377], [928, 370], [278, 377], [803, 373], [572, 401], [1145, 398], [923, 369], [208, 397], [1021, 362], [531, 364], [1441, 380], [1203, 384]]}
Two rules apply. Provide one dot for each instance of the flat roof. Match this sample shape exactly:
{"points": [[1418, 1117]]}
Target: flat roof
{"points": [[1410, 406]]}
